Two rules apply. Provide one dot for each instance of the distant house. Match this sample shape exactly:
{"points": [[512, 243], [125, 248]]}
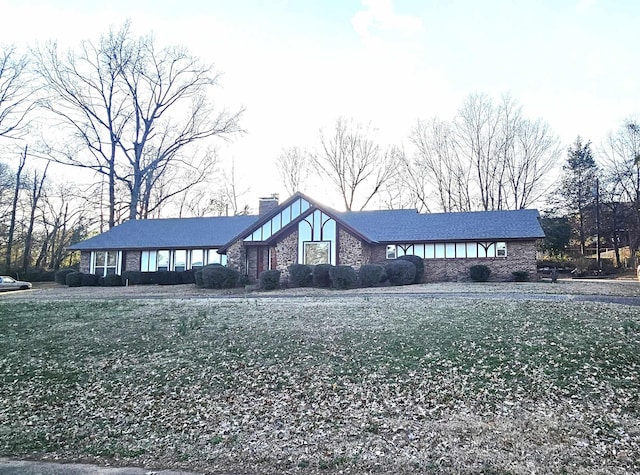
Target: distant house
{"points": [[300, 230]]}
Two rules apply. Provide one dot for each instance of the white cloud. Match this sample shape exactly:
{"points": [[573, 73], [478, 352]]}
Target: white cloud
{"points": [[379, 18]]}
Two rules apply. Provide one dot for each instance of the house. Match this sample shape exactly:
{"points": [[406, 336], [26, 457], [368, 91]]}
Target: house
{"points": [[301, 230]]}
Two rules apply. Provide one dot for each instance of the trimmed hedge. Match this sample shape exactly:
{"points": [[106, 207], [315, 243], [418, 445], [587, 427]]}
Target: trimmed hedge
{"points": [[419, 263], [197, 275], [216, 276], [73, 279], [61, 275], [169, 278], [112, 280], [88, 280], [343, 277], [479, 273], [321, 276], [270, 279], [371, 275], [300, 275], [400, 272]]}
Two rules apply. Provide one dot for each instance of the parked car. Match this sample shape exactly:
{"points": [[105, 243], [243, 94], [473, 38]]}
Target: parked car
{"points": [[9, 283]]}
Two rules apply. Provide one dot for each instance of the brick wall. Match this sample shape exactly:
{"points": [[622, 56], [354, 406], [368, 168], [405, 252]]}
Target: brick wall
{"points": [[85, 261], [132, 260], [521, 255]]}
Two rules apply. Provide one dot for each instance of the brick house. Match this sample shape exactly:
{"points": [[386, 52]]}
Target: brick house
{"points": [[300, 230]]}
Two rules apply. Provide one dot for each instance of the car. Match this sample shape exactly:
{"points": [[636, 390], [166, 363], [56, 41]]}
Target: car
{"points": [[9, 283]]}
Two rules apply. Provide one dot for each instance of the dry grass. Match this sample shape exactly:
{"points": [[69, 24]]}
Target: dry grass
{"points": [[354, 384]]}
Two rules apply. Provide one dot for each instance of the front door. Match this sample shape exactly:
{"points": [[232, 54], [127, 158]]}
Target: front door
{"points": [[260, 263]]}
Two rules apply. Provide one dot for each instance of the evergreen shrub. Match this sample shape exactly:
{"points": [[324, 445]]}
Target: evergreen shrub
{"points": [[88, 280], [343, 277], [61, 275], [270, 279], [400, 272], [371, 275], [112, 280], [479, 273], [300, 275], [520, 276], [419, 263], [321, 276], [216, 276], [73, 279]]}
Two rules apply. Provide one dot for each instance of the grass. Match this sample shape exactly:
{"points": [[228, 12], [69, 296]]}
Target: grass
{"points": [[312, 385]]}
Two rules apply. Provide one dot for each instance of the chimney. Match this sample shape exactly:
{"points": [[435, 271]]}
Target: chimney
{"points": [[268, 204]]}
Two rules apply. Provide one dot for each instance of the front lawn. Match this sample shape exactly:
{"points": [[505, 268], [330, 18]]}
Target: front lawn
{"points": [[305, 385]]}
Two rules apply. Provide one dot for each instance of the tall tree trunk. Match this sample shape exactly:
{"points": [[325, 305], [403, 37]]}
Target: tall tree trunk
{"points": [[38, 185], [14, 208]]}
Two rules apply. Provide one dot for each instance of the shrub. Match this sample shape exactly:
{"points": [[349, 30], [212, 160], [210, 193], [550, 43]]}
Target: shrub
{"points": [[37, 274], [61, 275], [89, 280], [300, 275], [198, 278], [216, 276], [169, 278], [189, 276], [371, 275], [520, 276], [419, 263], [112, 280], [321, 276], [270, 279], [73, 279], [136, 277], [479, 273], [343, 277], [400, 272]]}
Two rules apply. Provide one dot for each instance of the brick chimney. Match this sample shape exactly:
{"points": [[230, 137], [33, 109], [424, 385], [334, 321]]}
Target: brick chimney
{"points": [[268, 204]]}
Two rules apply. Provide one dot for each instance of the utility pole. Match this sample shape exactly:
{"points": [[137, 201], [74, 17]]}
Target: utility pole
{"points": [[598, 225]]}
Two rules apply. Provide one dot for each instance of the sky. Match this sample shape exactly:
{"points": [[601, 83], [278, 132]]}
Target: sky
{"points": [[298, 65]]}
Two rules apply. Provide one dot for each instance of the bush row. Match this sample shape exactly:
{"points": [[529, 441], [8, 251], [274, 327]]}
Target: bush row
{"points": [[80, 279]]}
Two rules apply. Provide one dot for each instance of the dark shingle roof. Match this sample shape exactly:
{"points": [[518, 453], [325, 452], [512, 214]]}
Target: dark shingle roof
{"points": [[173, 233], [411, 226]]}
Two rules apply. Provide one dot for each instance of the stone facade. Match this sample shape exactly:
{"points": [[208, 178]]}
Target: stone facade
{"points": [[287, 253], [351, 250], [236, 257]]}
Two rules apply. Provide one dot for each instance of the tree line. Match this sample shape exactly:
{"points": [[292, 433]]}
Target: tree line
{"points": [[139, 121]]}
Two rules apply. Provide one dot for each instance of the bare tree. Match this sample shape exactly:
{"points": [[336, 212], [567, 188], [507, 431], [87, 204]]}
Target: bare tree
{"points": [[489, 157], [293, 167], [14, 208], [621, 157], [136, 109], [354, 163], [16, 92]]}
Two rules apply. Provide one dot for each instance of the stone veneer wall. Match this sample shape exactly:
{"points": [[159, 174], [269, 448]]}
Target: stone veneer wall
{"points": [[287, 253], [235, 257], [352, 251], [521, 255]]}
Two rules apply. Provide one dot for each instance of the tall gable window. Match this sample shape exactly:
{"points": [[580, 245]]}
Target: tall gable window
{"points": [[317, 239], [279, 221]]}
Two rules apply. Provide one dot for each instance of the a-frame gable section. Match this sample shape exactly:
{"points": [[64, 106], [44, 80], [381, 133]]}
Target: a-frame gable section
{"points": [[282, 219]]}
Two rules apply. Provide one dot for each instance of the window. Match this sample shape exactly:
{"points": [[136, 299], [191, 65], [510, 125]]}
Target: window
{"points": [[197, 258], [317, 253], [391, 251], [163, 260], [501, 249], [105, 262], [180, 261]]}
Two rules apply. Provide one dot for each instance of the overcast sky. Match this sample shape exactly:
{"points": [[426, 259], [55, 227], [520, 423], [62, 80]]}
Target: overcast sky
{"points": [[297, 65]]}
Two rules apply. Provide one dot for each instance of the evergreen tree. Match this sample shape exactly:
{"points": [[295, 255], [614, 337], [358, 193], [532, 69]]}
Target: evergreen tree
{"points": [[578, 189]]}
